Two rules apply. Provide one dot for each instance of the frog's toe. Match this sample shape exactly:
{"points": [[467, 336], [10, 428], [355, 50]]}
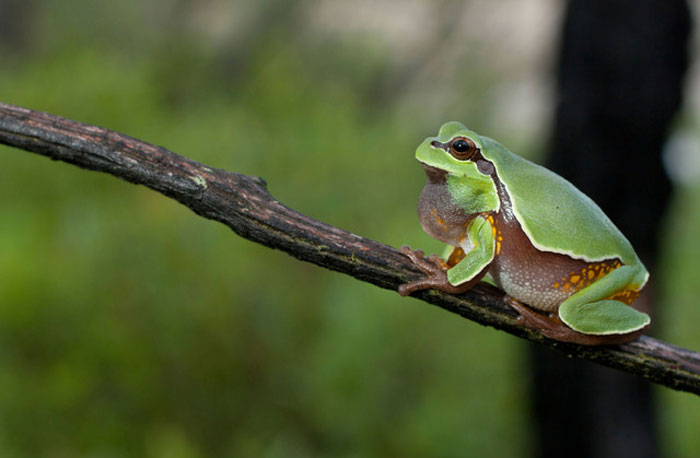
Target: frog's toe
{"points": [[603, 317], [432, 265], [438, 261], [410, 252]]}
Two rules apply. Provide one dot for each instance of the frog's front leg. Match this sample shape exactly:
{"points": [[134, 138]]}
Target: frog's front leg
{"points": [[435, 270], [478, 249]]}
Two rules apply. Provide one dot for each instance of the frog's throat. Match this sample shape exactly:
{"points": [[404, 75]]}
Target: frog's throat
{"points": [[434, 174]]}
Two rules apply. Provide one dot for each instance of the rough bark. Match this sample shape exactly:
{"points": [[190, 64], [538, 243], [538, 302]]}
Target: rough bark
{"points": [[244, 204]]}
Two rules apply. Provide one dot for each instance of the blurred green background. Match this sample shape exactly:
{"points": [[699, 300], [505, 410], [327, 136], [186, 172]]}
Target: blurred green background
{"points": [[131, 327]]}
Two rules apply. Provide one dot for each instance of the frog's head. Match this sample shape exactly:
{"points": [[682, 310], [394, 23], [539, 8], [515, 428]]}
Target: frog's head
{"points": [[451, 151]]}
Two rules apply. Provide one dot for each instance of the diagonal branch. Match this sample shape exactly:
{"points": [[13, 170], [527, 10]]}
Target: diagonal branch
{"points": [[244, 204]]}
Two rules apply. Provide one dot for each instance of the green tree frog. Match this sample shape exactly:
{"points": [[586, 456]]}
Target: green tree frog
{"points": [[564, 266]]}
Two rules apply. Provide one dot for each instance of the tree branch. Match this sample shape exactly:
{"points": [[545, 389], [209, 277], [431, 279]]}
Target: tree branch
{"points": [[244, 204]]}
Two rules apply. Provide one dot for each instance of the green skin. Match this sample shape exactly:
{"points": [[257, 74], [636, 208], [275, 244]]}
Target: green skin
{"points": [[524, 227]]}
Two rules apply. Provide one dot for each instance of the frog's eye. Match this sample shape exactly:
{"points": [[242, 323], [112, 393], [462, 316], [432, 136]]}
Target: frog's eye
{"points": [[462, 148]]}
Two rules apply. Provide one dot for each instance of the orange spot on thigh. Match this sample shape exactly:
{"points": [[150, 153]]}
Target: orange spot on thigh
{"points": [[626, 295]]}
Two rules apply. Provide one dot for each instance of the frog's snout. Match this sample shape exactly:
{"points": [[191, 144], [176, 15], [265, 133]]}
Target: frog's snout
{"points": [[440, 145]]}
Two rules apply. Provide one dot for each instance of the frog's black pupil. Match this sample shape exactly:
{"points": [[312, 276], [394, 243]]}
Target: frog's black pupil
{"points": [[461, 146]]}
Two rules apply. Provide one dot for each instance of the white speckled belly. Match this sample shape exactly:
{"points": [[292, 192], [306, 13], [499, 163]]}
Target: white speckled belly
{"points": [[529, 284]]}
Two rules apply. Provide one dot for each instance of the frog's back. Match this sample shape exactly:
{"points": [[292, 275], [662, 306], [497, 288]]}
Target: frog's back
{"points": [[553, 213]]}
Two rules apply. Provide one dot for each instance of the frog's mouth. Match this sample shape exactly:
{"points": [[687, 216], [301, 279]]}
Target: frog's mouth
{"points": [[435, 175]]}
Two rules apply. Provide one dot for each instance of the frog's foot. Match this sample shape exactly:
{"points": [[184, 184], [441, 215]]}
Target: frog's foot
{"points": [[543, 322], [551, 326], [435, 269]]}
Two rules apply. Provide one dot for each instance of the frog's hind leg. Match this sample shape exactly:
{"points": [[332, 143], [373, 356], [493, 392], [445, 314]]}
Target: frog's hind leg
{"points": [[600, 308], [626, 295], [547, 324], [551, 326]]}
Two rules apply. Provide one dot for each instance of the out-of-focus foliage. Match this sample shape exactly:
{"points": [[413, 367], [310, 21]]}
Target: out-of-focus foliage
{"points": [[679, 316], [131, 327]]}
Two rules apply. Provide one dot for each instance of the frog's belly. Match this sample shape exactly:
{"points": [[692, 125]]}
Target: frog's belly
{"points": [[540, 279], [530, 283]]}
